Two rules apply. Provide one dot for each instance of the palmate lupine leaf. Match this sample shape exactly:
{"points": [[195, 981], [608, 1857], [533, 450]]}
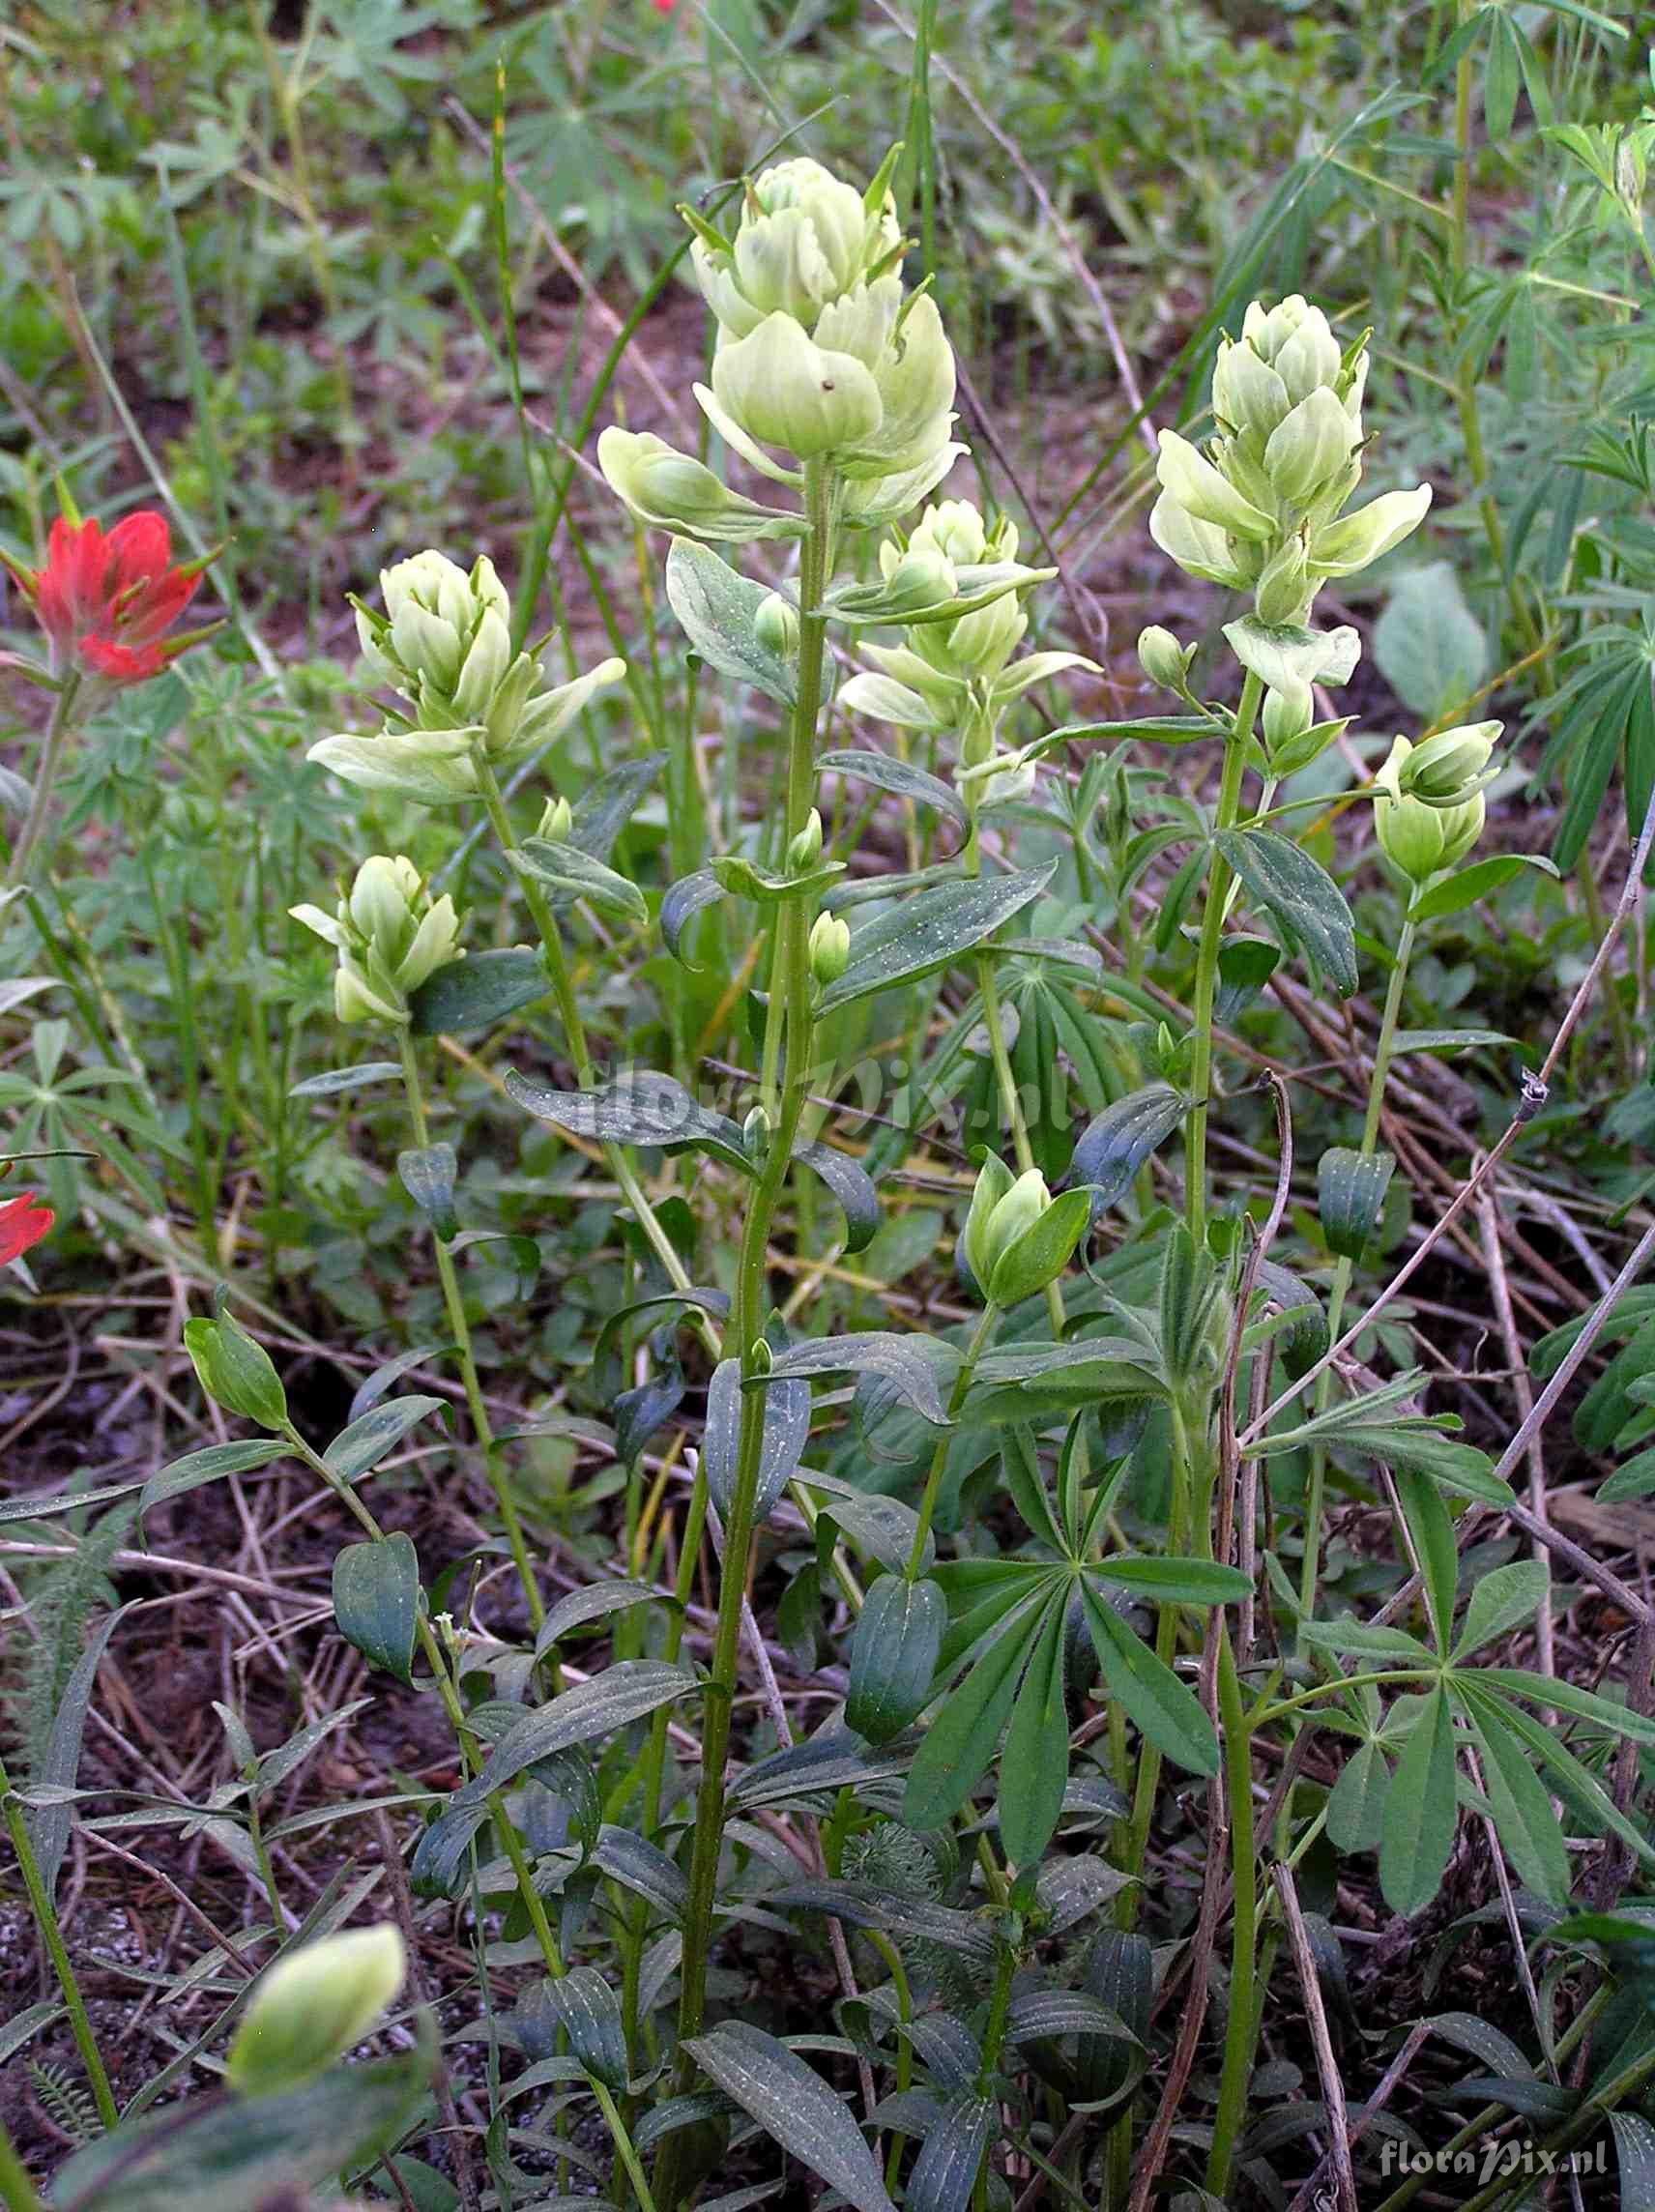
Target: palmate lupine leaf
{"points": [[1602, 715]]}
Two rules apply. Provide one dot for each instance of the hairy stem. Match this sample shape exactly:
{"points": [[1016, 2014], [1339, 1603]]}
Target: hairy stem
{"points": [[1342, 1273], [35, 822], [792, 1019], [1206, 960]]}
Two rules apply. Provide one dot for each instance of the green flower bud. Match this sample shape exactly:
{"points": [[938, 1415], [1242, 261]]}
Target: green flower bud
{"points": [[1283, 590], [1308, 449], [1289, 710], [390, 936], [775, 624], [914, 379], [311, 2007], [1010, 1247], [954, 528], [756, 1135], [1295, 339], [1163, 659], [1191, 482], [557, 820], [804, 849], [667, 490], [830, 947], [1248, 396], [1416, 837], [805, 237], [916, 580], [780, 388], [1451, 768]]}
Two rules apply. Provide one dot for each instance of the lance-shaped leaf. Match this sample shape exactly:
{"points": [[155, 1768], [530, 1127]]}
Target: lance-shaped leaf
{"points": [[622, 1694], [589, 2013], [852, 1186], [945, 2172], [785, 1432], [917, 936], [1114, 1146], [573, 873], [683, 901], [604, 808], [899, 777], [1525, 1822], [1466, 885], [1035, 1766], [376, 1600], [908, 1363], [1162, 1709], [893, 1656], [957, 1747], [718, 610], [478, 991], [336, 1080], [640, 1108], [427, 1174], [1350, 1190], [1300, 897], [365, 1443], [794, 2107], [1422, 1813]]}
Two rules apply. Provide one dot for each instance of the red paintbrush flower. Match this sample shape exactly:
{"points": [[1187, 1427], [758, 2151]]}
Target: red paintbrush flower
{"points": [[106, 600], [23, 1221]]}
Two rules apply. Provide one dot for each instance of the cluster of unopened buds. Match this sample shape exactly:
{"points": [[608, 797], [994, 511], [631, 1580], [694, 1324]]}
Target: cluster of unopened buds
{"points": [[444, 645], [822, 354], [390, 934], [1429, 806], [953, 674]]}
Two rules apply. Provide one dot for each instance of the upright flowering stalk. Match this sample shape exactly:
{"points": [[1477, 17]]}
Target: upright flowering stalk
{"points": [[835, 383], [1261, 510], [108, 603]]}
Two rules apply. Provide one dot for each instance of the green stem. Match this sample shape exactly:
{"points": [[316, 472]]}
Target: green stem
{"points": [[1206, 958], [792, 1017], [1383, 1048], [624, 2145], [52, 1935], [16, 2191], [939, 1457], [1180, 1475], [46, 776], [454, 1303]]}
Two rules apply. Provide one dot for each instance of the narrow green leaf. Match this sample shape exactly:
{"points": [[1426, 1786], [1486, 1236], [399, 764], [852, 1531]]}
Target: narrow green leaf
{"points": [[1035, 1766], [642, 1107], [1300, 897], [893, 1656], [897, 776], [917, 936], [1422, 1813], [1350, 1190], [794, 2107], [959, 1741], [371, 1435], [718, 610], [1163, 1710], [564, 868], [478, 991]]}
